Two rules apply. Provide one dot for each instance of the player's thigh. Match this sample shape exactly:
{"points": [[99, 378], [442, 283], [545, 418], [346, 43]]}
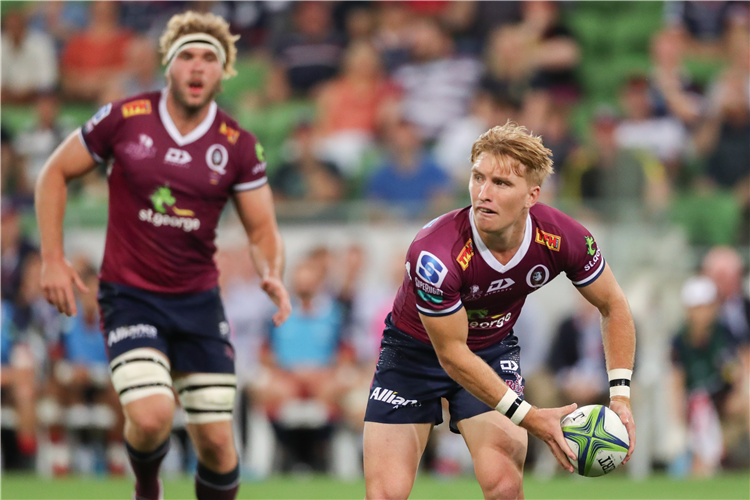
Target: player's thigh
{"points": [[391, 458], [498, 450]]}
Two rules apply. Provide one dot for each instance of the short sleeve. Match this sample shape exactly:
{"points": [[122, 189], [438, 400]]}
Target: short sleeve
{"points": [[99, 132], [252, 165], [435, 284], [585, 262]]}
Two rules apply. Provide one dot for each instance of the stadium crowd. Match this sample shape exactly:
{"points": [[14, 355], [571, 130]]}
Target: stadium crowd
{"points": [[377, 104]]}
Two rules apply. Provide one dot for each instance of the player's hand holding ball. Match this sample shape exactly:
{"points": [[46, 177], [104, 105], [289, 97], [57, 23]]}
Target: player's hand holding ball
{"points": [[544, 423], [599, 439]]}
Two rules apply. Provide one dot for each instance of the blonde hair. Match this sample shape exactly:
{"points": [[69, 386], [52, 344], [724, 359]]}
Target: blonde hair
{"points": [[516, 142], [194, 22]]}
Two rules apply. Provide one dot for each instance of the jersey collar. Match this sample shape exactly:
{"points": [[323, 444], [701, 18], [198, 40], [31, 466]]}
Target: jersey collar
{"points": [[195, 134], [487, 255]]}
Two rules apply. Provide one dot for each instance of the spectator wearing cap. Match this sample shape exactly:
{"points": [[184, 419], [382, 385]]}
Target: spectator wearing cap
{"points": [[29, 65], [704, 368]]}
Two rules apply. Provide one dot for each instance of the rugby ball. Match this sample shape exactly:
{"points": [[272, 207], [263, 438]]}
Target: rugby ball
{"points": [[598, 438]]}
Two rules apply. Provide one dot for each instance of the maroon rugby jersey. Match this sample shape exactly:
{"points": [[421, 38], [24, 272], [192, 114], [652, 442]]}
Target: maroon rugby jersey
{"points": [[167, 191], [449, 266]]}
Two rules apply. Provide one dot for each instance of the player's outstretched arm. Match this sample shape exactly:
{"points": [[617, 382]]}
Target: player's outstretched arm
{"points": [[255, 208], [70, 160], [618, 335], [448, 335]]}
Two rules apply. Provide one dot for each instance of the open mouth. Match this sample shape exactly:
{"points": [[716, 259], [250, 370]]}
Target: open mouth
{"points": [[485, 211], [195, 86]]}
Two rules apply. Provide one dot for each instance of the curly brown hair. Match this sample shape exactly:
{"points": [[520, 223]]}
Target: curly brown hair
{"points": [[196, 22]]}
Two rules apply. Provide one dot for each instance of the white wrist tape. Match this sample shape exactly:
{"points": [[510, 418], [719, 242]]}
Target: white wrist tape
{"points": [[513, 407], [619, 382]]}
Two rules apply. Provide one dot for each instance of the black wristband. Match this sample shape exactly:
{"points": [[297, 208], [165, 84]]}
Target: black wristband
{"points": [[619, 381]]}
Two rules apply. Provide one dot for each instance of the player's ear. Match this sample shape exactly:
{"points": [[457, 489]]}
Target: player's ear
{"points": [[533, 196]]}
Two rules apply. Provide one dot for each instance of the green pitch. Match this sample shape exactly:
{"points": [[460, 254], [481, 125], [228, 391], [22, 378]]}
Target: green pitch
{"points": [[618, 486]]}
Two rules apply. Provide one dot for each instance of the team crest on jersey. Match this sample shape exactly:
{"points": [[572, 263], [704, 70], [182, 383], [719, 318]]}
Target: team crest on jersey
{"points": [[232, 134], [134, 108], [216, 159], [431, 269], [537, 276], [551, 241], [466, 254]]}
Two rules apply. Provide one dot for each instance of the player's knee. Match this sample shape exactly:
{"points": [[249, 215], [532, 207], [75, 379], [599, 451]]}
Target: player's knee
{"points": [[501, 488], [141, 373], [207, 397], [389, 489], [151, 418], [216, 448]]}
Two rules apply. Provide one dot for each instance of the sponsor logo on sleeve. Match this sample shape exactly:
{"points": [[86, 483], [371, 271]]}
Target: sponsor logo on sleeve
{"points": [[98, 117], [429, 224], [134, 108], [431, 269], [594, 261], [260, 152], [551, 241], [427, 288], [232, 134], [428, 297], [590, 250], [537, 276], [467, 252]]}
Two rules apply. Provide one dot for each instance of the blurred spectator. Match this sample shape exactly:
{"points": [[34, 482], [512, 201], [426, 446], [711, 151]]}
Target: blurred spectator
{"points": [[392, 33], [11, 172], [558, 137], [18, 382], [673, 92], [351, 107], [605, 171], [311, 53], [29, 64], [141, 73], [16, 248], [437, 84], [706, 24], [37, 144], [665, 137], [576, 357], [305, 177], [61, 20], [474, 21], [704, 369], [722, 135], [81, 382], [305, 362], [408, 178], [453, 148], [724, 266], [93, 59]]}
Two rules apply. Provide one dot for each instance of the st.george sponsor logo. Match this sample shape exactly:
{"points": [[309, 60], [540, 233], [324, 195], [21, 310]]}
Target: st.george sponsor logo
{"points": [[162, 198], [467, 252], [478, 319], [551, 241], [131, 332], [389, 397], [593, 262], [590, 245]]}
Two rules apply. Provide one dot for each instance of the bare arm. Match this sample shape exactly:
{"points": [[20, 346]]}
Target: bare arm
{"points": [[255, 208], [618, 336], [70, 160], [448, 335]]}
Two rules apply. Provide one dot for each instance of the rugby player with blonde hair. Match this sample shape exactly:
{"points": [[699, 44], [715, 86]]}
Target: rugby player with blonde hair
{"points": [[174, 159], [450, 332]]}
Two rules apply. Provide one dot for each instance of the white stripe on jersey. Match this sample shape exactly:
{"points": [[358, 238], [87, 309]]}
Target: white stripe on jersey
{"points": [[246, 186], [443, 312], [592, 277]]}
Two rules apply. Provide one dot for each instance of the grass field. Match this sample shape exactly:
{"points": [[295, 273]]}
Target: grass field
{"points": [[734, 486]]}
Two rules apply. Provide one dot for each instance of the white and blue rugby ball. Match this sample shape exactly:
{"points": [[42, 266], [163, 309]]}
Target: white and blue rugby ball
{"points": [[598, 438]]}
